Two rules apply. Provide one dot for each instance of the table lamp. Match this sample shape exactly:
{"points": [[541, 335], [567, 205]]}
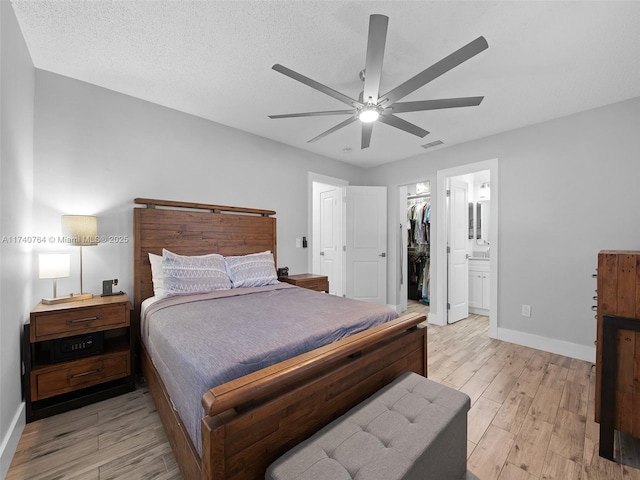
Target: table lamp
{"points": [[54, 265], [80, 231]]}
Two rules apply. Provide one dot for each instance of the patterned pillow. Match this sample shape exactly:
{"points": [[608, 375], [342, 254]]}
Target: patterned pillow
{"points": [[253, 270], [194, 274]]}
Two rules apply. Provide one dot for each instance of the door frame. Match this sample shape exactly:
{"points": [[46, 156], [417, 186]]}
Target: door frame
{"points": [[311, 226], [439, 286]]}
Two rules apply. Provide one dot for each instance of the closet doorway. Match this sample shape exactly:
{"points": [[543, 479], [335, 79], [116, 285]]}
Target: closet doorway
{"points": [[415, 251]]}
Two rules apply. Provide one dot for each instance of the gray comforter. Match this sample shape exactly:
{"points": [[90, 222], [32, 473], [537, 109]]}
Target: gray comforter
{"points": [[199, 341]]}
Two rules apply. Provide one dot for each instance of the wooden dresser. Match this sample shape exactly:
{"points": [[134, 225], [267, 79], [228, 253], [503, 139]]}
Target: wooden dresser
{"points": [[618, 295]]}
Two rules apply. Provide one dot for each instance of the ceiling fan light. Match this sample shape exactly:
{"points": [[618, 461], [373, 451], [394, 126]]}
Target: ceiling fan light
{"points": [[368, 114]]}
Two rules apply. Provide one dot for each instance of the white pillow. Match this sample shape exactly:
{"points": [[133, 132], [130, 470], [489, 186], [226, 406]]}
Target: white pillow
{"points": [[194, 274], [253, 270], [157, 275]]}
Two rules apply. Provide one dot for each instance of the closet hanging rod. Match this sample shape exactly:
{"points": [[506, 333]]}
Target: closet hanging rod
{"points": [[424, 195]]}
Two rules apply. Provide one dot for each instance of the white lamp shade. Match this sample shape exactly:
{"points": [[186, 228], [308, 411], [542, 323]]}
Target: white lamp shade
{"points": [[54, 265], [80, 230]]}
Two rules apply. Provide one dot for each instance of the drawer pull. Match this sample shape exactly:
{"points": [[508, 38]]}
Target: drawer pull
{"points": [[84, 374], [81, 320]]}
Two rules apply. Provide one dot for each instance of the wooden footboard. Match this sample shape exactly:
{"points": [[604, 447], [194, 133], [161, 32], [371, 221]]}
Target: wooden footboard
{"points": [[251, 421]]}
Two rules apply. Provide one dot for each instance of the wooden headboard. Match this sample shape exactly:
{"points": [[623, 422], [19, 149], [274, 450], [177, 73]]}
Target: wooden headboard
{"points": [[194, 229]]}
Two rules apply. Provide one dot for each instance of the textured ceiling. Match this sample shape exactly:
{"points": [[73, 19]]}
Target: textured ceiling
{"points": [[213, 59]]}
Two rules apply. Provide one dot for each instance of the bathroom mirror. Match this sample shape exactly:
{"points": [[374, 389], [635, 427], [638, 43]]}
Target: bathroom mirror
{"points": [[471, 230], [482, 220]]}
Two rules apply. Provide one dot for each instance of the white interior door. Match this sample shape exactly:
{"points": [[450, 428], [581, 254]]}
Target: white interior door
{"points": [[366, 244], [330, 236], [458, 259]]}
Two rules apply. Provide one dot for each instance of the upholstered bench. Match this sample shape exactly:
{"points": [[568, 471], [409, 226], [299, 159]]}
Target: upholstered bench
{"points": [[413, 428]]}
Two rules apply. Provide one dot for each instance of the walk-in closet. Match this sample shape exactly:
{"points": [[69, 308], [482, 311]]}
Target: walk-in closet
{"points": [[418, 240]]}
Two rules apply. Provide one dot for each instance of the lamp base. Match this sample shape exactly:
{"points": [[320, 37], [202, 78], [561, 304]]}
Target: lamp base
{"points": [[74, 297]]}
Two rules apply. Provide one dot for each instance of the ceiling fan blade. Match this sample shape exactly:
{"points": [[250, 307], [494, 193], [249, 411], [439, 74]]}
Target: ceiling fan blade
{"points": [[367, 129], [375, 54], [398, 122], [435, 104], [318, 86], [314, 114], [434, 71], [333, 129]]}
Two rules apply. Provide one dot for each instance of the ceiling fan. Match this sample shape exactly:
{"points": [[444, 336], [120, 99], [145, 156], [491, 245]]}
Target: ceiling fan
{"points": [[371, 106]]}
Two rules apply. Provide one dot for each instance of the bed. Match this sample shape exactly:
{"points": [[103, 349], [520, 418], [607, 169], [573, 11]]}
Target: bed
{"points": [[248, 421]]}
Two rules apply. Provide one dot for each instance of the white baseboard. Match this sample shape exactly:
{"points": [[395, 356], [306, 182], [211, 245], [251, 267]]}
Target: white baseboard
{"points": [[10, 440], [552, 345]]}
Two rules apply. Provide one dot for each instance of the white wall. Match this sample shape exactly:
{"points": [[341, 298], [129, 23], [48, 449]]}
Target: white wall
{"points": [[16, 194], [96, 150], [568, 188]]}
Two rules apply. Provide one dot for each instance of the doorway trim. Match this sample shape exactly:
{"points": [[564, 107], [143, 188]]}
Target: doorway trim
{"points": [[312, 178], [439, 317]]}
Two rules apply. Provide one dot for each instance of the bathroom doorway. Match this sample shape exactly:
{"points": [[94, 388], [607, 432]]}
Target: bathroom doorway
{"points": [[478, 275]]}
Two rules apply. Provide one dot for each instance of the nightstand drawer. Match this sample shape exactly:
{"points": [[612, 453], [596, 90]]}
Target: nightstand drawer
{"points": [[319, 283], [73, 322], [319, 286], [55, 380]]}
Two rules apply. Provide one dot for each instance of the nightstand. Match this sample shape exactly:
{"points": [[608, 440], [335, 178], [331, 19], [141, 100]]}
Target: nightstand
{"points": [[77, 353], [319, 283]]}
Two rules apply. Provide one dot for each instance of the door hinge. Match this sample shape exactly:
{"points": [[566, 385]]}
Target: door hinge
{"points": [[448, 306], [448, 193], [448, 249], [344, 248]]}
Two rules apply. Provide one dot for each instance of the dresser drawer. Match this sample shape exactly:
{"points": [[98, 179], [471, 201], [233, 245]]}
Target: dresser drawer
{"points": [[74, 322], [63, 378]]}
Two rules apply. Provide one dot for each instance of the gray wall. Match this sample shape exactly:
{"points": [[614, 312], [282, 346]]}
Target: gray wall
{"points": [[16, 193], [96, 150], [568, 188]]}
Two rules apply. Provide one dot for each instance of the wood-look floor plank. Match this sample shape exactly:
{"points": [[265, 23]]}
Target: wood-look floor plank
{"points": [[568, 435], [531, 445], [532, 418], [511, 472], [513, 411], [556, 467], [480, 417], [546, 403], [489, 457]]}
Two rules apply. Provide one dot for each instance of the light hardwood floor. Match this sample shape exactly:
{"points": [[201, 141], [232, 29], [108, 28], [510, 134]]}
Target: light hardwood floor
{"points": [[531, 418]]}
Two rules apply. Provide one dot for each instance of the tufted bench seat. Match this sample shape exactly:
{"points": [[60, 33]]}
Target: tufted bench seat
{"points": [[413, 428]]}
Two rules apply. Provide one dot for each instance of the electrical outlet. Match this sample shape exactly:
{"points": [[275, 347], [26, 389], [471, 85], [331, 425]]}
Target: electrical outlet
{"points": [[526, 310]]}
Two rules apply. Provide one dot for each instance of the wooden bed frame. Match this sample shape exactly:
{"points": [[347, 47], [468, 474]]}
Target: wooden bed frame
{"points": [[249, 422]]}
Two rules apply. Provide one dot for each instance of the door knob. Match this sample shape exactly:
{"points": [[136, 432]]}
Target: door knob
{"points": [[382, 255]]}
